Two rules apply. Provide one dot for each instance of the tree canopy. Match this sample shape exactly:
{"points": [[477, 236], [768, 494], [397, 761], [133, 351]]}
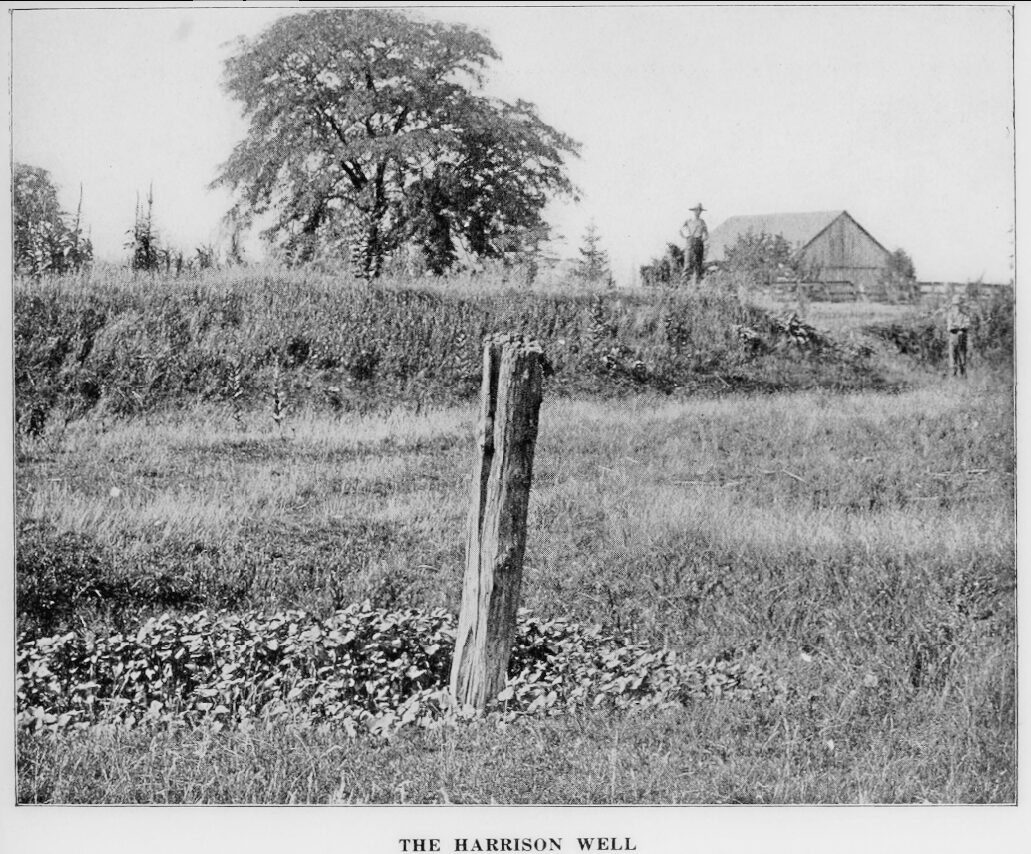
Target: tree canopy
{"points": [[366, 134]]}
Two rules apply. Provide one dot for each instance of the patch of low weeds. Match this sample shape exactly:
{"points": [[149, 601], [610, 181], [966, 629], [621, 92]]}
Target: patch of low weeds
{"points": [[68, 579], [365, 670], [57, 575]]}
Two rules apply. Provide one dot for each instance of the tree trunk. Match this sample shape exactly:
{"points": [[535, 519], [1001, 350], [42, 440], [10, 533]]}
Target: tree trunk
{"points": [[513, 371]]}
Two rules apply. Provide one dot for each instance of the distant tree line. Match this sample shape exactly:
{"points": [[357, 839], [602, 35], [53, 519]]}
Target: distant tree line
{"points": [[49, 241], [367, 139], [46, 239]]}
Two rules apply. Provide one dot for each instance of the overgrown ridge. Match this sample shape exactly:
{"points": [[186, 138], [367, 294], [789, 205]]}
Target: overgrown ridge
{"points": [[127, 347]]}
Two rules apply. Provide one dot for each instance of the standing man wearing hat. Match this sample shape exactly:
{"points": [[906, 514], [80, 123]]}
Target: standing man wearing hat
{"points": [[696, 233], [957, 323]]}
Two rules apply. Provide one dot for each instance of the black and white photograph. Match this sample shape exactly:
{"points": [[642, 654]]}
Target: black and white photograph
{"points": [[596, 423]]}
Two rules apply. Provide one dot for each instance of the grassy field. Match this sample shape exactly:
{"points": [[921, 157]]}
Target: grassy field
{"points": [[857, 547], [854, 551]]}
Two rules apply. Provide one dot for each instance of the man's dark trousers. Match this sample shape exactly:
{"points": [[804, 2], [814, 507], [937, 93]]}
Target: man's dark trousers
{"points": [[695, 257]]}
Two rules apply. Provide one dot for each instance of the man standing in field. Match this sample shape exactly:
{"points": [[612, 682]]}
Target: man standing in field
{"points": [[957, 323], [696, 233]]}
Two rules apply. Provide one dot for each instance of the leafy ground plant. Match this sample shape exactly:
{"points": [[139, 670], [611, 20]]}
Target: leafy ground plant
{"points": [[369, 670]]}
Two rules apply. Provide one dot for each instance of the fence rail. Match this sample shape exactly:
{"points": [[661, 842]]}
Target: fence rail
{"points": [[846, 291]]}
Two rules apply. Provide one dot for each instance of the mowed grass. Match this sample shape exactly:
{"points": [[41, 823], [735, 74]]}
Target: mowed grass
{"points": [[860, 547], [840, 317]]}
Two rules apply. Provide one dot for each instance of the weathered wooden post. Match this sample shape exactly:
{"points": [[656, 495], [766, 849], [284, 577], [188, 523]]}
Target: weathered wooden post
{"points": [[510, 400]]}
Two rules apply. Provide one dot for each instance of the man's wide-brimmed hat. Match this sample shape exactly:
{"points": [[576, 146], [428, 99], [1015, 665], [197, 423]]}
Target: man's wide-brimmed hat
{"points": [[697, 207]]}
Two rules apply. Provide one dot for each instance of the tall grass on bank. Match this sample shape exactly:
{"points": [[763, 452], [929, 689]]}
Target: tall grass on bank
{"points": [[250, 341]]}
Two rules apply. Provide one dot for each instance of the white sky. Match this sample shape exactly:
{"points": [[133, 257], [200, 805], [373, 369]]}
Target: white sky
{"points": [[901, 115]]}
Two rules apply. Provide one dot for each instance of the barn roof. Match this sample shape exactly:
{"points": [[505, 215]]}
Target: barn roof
{"points": [[798, 229]]}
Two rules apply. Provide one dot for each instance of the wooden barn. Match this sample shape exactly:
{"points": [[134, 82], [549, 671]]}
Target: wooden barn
{"points": [[831, 243]]}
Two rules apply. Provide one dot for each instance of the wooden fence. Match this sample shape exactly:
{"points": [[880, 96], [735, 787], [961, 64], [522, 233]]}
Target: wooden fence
{"points": [[845, 291]]}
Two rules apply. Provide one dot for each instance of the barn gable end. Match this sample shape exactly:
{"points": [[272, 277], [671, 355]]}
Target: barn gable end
{"points": [[831, 242]]}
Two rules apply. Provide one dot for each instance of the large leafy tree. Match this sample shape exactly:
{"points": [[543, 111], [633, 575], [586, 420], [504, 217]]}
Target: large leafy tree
{"points": [[366, 132]]}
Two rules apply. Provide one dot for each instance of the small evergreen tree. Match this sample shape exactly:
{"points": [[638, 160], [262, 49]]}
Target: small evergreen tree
{"points": [[593, 263]]}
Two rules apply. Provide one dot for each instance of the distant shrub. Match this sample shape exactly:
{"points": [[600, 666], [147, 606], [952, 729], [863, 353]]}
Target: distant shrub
{"points": [[764, 258], [666, 270], [994, 330], [899, 277], [922, 339], [763, 255], [145, 252]]}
